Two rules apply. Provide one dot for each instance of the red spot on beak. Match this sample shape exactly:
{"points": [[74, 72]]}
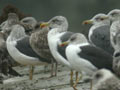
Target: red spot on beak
{"points": [[85, 22], [42, 26], [62, 45]]}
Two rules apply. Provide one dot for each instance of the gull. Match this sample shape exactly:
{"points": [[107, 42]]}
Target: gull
{"points": [[114, 16], [83, 56], [99, 33], [19, 48], [58, 33], [104, 79]]}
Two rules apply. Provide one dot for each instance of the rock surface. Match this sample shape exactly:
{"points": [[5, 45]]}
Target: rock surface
{"points": [[41, 80]]}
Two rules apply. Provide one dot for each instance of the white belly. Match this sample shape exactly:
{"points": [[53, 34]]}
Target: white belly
{"points": [[21, 58], [53, 48], [77, 63]]}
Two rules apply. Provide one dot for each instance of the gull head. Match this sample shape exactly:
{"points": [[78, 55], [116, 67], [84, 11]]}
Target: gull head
{"points": [[101, 76], [98, 19], [114, 15], [76, 38]]}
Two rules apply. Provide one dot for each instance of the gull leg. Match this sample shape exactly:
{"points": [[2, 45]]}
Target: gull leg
{"points": [[91, 85], [71, 78], [56, 64], [31, 72], [77, 80], [45, 68]]}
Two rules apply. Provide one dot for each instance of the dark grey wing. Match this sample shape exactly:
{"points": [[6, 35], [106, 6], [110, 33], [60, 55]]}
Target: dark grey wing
{"points": [[24, 47], [64, 38], [101, 38], [98, 57]]}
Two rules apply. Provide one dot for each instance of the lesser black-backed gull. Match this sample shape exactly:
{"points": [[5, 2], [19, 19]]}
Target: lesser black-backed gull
{"points": [[105, 80], [99, 33], [19, 48], [58, 33], [84, 56]]}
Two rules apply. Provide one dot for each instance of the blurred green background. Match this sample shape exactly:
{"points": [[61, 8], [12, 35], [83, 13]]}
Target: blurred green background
{"points": [[74, 10]]}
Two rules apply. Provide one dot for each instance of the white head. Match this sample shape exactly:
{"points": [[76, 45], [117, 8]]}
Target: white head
{"points": [[98, 19], [114, 14], [101, 76], [76, 38]]}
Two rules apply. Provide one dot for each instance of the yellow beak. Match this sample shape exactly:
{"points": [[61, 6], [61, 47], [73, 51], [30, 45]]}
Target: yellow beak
{"points": [[87, 22], [45, 24], [64, 44]]}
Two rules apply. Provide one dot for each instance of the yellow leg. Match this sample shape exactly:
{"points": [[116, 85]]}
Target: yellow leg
{"points": [[77, 80], [31, 72], [71, 78], [91, 85]]}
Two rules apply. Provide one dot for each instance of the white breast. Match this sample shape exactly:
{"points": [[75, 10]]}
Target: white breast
{"points": [[76, 61], [18, 56], [53, 41]]}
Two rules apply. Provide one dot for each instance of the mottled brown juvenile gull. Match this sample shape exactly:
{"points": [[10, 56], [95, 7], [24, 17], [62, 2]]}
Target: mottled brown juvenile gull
{"points": [[39, 43], [28, 23], [99, 33], [105, 80], [6, 61], [83, 56], [18, 42], [114, 16]]}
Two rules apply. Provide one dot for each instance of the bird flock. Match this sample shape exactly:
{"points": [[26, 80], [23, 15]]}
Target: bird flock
{"points": [[31, 42]]}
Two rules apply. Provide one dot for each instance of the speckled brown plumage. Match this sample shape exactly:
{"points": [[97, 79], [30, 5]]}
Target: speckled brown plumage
{"points": [[5, 60], [39, 43]]}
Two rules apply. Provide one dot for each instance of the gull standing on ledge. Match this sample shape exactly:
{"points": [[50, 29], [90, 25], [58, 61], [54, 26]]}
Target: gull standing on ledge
{"points": [[99, 33], [58, 33], [19, 48], [83, 56], [39, 43]]}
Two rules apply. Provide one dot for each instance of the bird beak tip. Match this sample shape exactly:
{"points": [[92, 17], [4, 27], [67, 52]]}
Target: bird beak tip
{"points": [[87, 22], [63, 44]]}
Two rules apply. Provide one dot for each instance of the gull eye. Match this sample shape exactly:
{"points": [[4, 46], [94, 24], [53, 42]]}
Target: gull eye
{"points": [[73, 38], [55, 20], [101, 19], [98, 75], [114, 13]]}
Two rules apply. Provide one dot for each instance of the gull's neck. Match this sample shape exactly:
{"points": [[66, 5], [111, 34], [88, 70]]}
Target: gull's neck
{"points": [[56, 31]]}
